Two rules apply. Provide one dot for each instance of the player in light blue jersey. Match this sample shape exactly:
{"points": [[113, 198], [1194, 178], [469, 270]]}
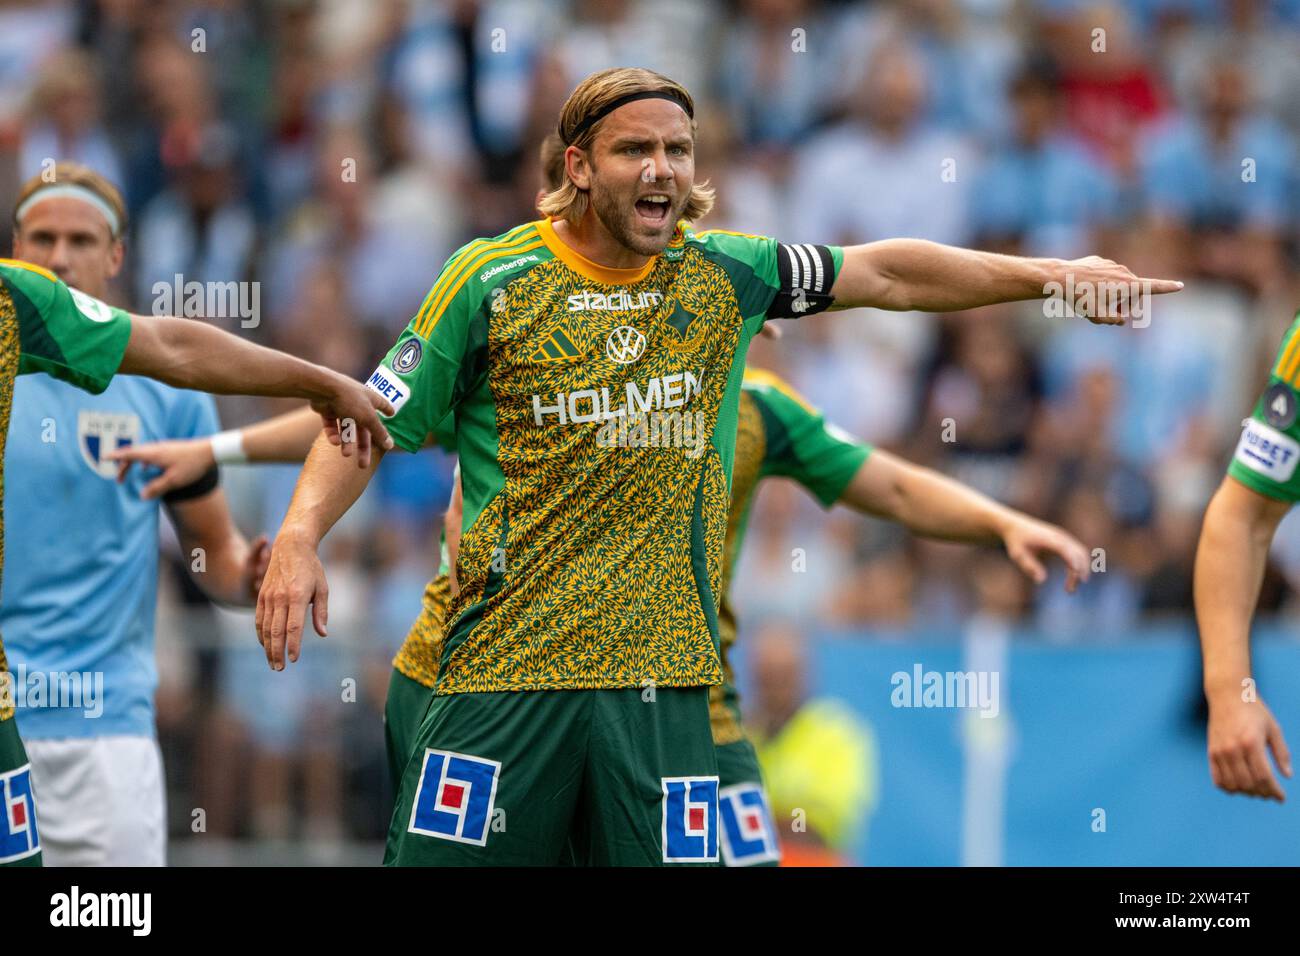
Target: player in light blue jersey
{"points": [[79, 621]]}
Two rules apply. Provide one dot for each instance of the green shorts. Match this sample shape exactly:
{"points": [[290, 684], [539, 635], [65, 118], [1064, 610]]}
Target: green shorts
{"points": [[745, 824], [540, 778], [19, 843], [403, 710]]}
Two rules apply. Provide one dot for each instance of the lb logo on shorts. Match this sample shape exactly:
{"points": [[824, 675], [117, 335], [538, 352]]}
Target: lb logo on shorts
{"points": [[455, 797], [748, 836], [18, 837], [690, 827]]}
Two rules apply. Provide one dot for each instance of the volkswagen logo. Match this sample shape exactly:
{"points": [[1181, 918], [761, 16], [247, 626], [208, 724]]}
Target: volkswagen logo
{"points": [[625, 345]]}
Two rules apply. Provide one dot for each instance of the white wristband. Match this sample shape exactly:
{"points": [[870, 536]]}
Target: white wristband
{"points": [[228, 447]]}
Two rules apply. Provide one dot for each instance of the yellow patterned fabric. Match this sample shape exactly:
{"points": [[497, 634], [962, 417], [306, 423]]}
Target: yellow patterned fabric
{"points": [[9, 351], [418, 656], [751, 441], [598, 562], [595, 413]]}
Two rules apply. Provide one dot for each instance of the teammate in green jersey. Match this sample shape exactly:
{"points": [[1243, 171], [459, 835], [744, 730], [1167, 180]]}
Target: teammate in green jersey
{"points": [[587, 568], [47, 327], [1261, 486]]}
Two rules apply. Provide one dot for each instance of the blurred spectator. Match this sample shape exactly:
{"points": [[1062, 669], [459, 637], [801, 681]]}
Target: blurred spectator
{"points": [[1221, 180], [1040, 193], [65, 119], [883, 172], [199, 227], [772, 79], [1111, 90], [819, 758]]}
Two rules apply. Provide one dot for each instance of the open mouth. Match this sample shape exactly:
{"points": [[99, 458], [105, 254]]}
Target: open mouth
{"points": [[653, 209]]}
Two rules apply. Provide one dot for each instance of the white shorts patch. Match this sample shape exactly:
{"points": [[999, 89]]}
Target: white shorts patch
{"points": [[101, 800]]}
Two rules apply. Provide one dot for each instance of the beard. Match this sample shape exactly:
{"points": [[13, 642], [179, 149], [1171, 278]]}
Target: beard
{"points": [[617, 213]]}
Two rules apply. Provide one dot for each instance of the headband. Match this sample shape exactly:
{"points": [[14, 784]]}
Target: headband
{"points": [[71, 191], [600, 114]]}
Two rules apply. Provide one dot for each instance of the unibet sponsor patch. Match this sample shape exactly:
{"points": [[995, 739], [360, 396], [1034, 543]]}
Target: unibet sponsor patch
{"points": [[1267, 451], [385, 381]]}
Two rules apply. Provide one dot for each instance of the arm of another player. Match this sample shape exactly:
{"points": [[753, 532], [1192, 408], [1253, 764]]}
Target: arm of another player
{"points": [[295, 579], [906, 274], [935, 506], [189, 354], [1230, 560], [231, 570], [286, 438]]}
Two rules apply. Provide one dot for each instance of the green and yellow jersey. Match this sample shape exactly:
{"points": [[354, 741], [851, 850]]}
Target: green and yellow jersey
{"points": [[47, 327], [779, 434], [1269, 448], [591, 555]]}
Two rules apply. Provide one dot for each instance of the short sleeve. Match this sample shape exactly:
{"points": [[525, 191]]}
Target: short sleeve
{"points": [[801, 444], [62, 331], [436, 360], [1269, 448], [776, 280]]}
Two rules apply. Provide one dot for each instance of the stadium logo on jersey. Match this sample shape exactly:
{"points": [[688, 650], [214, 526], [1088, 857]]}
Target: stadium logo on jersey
{"points": [[625, 345], [690, 819], [385, 381], [91, 307], [1267, 451], [455, 797], [99, 433], [408, 356], [18, 836], [620, 301], [748, 836]]}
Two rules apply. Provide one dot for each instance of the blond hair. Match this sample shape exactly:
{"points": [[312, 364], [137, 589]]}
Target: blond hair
{"points": [[593, 95], [68, 173]]}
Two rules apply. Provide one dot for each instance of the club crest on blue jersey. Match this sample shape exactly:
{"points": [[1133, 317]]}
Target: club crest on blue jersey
{"points": [[748, 836], [99, 433], [690, 819], [18, 836], [455, 797]]}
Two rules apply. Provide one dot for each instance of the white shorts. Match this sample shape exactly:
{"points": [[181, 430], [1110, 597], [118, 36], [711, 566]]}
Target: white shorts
{"points": [[99, 801]]}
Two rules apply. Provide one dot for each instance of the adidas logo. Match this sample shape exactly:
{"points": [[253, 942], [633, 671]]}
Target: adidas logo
{"points": [[558, 348]]}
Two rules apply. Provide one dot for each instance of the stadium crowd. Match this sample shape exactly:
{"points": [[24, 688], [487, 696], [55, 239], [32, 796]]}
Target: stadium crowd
{"points": [[1162, 133]]}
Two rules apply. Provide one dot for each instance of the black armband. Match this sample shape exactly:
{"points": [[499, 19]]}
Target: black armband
{"points": [[806, 274], [195, 489]]}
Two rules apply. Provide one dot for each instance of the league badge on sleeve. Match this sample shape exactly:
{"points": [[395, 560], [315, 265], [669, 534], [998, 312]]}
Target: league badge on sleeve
{"points": [[1279, 406], [690, 819], [455, 797], [18, 836], [748, 836]]}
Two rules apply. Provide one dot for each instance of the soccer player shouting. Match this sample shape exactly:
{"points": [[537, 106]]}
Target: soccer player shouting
{"points": [[572, 696], [1258, 491]]}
